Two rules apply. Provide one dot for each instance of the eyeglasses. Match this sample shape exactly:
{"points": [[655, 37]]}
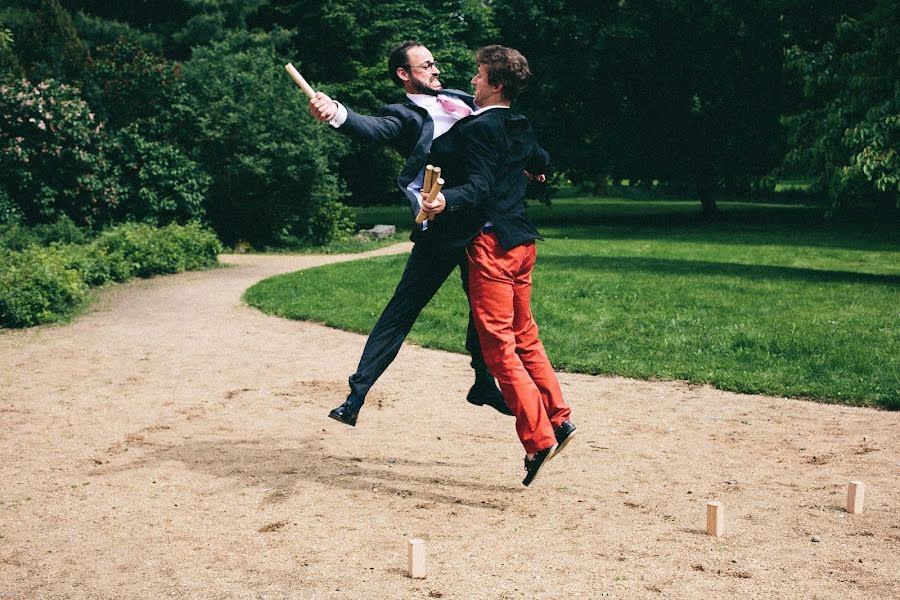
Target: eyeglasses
{"points": [[426, 66]]}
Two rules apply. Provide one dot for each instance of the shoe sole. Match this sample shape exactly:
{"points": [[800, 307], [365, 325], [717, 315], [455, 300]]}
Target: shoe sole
{"points": [[560, 446], [506, 412], [543, 464], [337, 418]]}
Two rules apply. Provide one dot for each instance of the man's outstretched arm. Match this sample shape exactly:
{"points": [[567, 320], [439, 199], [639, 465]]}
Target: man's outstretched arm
{"points": [[383, 129]]}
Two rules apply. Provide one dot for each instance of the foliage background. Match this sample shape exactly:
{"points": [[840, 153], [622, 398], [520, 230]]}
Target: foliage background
{"points": [[701, 100]]}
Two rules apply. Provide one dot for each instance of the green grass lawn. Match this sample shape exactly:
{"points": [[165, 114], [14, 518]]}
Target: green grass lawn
{"points": [[768, 300]]}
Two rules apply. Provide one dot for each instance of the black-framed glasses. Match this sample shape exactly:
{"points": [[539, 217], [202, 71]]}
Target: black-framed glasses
{"points": [[426, 66]]}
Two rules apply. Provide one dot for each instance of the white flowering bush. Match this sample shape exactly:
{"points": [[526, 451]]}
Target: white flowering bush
{"points": [[52, 159]]}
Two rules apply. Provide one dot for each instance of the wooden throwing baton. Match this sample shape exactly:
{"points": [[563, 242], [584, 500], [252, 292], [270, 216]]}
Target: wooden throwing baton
{"points": [[298, 79], [432, 194]]}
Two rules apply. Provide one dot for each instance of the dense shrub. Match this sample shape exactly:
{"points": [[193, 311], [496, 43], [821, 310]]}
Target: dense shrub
{"points": [[9, 211], [52, 155], [43, 284], [10, 69], [95, 31], [37, 285], [141, 250], [331, 220], [15, 236]]}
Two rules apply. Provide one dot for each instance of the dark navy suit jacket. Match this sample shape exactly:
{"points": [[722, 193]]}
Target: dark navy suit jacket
{"points": [[482, 159]]}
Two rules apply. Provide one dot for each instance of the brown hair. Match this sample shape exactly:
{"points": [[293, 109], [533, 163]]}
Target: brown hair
{"points": [[506, 67]]}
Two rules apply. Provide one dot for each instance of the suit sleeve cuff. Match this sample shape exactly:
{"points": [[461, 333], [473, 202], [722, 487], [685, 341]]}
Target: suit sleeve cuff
{"points": [[340, 117]]}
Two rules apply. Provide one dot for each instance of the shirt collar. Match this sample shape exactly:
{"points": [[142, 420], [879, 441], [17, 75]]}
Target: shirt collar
{"points": [[481, 110], [423, 100]]}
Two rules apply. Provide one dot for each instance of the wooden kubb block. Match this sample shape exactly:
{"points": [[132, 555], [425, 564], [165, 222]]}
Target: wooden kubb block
{"points": [[856, 495], [417, 559], [715, 518]]}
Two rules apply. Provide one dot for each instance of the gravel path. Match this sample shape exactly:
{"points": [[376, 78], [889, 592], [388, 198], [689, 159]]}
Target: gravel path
{"points": [[172, 442]]}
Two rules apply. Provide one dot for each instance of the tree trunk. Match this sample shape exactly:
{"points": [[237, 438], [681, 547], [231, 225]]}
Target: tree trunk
{"points": [[707, 201], [886, 207]]}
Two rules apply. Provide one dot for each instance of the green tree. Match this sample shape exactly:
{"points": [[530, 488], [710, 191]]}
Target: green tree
{"points": [[271, 163], [162, 185], [847, 133], [143, 99], [51, 48], [10, 68], [684, 93], [211, 21], [158, 19], [127, 84], [53, 156], [97, 31]]}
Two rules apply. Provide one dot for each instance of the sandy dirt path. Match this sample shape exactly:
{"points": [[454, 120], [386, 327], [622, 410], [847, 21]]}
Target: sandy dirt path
{"points": [[174, 443]]}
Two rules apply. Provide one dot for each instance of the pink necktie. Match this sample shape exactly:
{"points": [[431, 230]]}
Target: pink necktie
{"points": [[452, 105]]}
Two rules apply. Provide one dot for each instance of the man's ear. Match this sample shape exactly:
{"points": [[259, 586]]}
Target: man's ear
{"points": [[402, 74]]}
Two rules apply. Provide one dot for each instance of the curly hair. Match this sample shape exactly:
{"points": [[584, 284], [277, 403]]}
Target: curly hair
{"points": [[506, 67]]}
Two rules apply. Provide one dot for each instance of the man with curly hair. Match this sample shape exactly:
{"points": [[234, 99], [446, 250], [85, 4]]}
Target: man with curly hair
{"points": [[486, 158]]}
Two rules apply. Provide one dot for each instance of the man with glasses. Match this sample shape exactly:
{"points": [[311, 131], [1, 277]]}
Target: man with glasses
{"points": [[410, 127]]}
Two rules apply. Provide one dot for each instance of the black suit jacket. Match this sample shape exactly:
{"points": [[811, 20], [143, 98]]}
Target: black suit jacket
{"points": [[408, 129], [482, 159]]}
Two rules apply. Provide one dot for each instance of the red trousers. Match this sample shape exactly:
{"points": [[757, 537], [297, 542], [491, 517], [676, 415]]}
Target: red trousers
{"points": [[500, 295]]}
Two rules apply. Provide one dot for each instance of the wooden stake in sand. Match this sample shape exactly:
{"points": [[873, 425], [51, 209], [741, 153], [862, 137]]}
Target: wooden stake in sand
{"points": [[417, 559], [856, 495], [298, 79], [715, 518]]}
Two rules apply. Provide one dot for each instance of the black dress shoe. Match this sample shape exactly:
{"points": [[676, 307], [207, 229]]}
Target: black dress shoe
{"points": [[564, 434], [533, 465], [346, 412], [487, 394]]}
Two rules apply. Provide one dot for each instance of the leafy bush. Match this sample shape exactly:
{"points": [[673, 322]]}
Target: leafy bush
{"points": [[52, 158], [44, 284], [10, 69], [15, 236], [137, 249], [37, 286], [48, 45], [9, 212], [330, 221]]}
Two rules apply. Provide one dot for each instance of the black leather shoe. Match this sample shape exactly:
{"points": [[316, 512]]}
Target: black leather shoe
{"points": [[564, 434], [533, 465], [346, 412], [487, 394]]}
